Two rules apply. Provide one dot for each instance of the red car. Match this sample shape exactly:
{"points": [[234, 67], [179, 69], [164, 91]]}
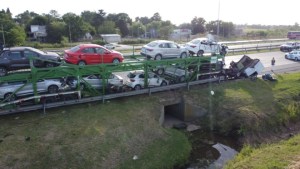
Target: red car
{"points": [[87, 54]]}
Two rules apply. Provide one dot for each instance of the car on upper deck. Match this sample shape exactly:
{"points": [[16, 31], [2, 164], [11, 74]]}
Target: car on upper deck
{"points": [[163, 49], [88, 54], [16, 58]]}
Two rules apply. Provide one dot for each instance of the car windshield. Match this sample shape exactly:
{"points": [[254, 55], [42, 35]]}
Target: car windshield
{"points": [[37, 51], [75, 49], [152, 44], [131, 75], [195, 41], [290, 44]]}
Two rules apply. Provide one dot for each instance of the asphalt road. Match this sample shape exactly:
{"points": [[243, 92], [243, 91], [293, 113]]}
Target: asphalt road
{"points": [[282, 65]]}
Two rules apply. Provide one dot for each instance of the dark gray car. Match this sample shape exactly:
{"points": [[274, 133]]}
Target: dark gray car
{"points": [[16, 58]]}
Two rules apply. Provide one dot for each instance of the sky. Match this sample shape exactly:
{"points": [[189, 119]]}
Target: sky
{"points": [[264, 12]]}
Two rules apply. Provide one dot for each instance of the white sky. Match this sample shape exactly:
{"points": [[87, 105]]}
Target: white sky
{"points": [[264, 12]]}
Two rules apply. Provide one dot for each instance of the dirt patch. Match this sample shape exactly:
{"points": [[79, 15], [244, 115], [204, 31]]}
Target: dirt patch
{"points": [[295, 164]]}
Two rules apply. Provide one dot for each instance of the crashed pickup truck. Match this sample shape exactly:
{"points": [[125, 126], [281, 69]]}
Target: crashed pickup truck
{"points": [[244, 68]]}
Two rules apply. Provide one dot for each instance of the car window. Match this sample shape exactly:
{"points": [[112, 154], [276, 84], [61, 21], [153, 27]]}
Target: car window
{"points": [[93, 77], [27, 54], [196, 41], [4, 53], [75, 49], [141, 76], [164, 45], [15, 55], [100, 50], [152, 44], [172, 45], [131, 75], [88, 50], [111, 76]]}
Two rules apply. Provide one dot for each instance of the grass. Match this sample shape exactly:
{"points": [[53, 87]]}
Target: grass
{"points": [[91, 136], [279, 155]]}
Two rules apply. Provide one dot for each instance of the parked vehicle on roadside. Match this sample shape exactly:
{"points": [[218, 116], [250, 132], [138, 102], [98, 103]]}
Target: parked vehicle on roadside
{"points": [[137, 80], [95, 81], [88, 54], [293, 55], [10, 91], [288, 47], [16, 58], [163, 49], [293, 35], [110, 46], [199, 46]]}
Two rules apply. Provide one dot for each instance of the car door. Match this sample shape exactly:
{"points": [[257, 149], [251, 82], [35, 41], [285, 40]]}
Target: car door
{"points": [[153, 80], [174, 50], [16, 59], [105, 56], [95, 81], [141, 79], [41, 86], [27, 54], [163, 49], [89, 55]]}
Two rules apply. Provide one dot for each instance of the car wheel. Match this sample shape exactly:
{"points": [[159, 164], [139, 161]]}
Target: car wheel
{"points": [[49, 64], [137, 87], [116, 61], [81, 63], [160, 71], [9, 97], [163, 83], [296, 59], [3, 71], [52, 89], [181, 79], [200, 53], [183, 55], [158, 57]]}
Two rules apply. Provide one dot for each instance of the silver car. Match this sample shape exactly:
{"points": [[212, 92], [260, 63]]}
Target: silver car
{"points": [[162, 49], [137, 80], [95, 81], [10, 91]]}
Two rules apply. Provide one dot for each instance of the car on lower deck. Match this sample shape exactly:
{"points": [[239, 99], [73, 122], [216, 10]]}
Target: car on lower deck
{"points": [[95, 81], [163, 49], [10, 91], [137, 80]]}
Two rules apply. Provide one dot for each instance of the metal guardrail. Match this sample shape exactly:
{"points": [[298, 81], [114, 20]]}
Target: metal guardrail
{"points": [[253, 48]]}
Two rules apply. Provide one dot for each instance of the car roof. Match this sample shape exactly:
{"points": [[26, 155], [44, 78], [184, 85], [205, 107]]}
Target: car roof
{"points": [[89, 45], [18, 48], [163, 41]]}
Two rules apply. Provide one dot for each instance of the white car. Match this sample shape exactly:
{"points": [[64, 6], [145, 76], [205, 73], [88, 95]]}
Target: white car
{"points": [[293, 55], [95, 81], [10, 91], [110, 46], [200, 46], [137, 80], [162, 49]]}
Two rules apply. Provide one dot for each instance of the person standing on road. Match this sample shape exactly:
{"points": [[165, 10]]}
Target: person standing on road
{"points": [[273, 63]]}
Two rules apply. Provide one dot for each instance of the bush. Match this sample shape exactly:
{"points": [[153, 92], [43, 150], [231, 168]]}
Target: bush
{"points": [[99, 42], [136, 41]]}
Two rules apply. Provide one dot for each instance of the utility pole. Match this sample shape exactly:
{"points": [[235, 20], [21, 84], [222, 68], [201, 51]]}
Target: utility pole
{"points": [[70, 40], [3, 37], [218, 27]]}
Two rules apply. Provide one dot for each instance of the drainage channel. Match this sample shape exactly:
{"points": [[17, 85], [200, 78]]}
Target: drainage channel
{"points": [[209, 150]]}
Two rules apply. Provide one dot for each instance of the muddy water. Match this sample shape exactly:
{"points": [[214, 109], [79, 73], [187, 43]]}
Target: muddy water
{"points": [[210, 150]]}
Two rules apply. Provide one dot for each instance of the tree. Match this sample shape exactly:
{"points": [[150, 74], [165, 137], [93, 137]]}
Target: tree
{"points": [[56, 30], [25, 17], [95, 19], [185, 26], [198, 25], [76, 26], [225, 28], [137, 29], [156, 17], [39, 20], [16, 36], [144, 20], [122, 20], [108, 27]]}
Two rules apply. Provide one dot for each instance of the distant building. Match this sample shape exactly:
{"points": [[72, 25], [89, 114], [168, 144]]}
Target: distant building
{"points": [[181, 34], [111, 38], [37, 32]]}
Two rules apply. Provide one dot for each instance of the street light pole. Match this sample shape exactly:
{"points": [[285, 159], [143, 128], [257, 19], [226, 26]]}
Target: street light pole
{"points": [[3, 37], [218, 27]]}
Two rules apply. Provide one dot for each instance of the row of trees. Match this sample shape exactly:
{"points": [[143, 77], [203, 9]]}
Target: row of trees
{"points": [[73, 27]]}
